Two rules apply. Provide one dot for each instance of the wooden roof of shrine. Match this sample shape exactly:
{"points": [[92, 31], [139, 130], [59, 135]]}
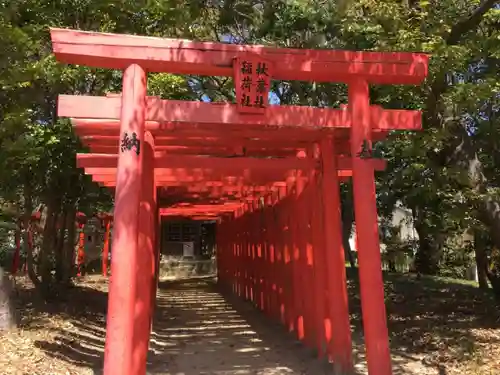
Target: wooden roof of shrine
{"points": [[210, 158]]}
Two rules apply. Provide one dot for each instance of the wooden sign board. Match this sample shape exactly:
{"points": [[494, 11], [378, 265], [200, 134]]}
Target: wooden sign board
{"points": [[252, 79]]}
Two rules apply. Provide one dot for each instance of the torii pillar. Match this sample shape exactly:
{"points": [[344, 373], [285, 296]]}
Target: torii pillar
{"points": [[119, 347], [145, 274], [365, 211]]}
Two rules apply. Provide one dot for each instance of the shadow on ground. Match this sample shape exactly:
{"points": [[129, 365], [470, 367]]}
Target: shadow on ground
{"points": [[438, 322], [196, 330], [434, 325]]}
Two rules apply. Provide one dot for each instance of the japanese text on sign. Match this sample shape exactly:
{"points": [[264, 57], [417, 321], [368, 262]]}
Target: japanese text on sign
{"points": [[128, 143], [252, 84]]}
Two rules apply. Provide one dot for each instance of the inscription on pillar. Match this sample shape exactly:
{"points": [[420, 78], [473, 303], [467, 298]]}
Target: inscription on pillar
{"points": [[252, 79], [367, 152], [128, 143]]}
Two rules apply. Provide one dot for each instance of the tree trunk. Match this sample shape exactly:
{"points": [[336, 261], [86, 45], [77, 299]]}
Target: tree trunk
{"points": [[7, 320], [481, 260], [59, 245], [430, 247], [47, 250], [461, 154], [28, 243]]}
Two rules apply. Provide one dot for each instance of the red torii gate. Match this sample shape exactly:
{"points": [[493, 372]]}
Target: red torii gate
{"points": [[140, 140]]}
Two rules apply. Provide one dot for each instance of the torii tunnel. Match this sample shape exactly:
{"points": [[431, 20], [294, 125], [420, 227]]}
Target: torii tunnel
{"points": [[269, 174]]}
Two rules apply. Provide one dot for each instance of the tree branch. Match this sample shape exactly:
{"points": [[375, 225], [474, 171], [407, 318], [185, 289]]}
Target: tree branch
{"points": [[471, 22], [461, 28]]}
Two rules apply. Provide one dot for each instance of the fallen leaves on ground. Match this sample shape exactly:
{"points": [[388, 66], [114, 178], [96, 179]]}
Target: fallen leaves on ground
{"points": [[436, 327]]}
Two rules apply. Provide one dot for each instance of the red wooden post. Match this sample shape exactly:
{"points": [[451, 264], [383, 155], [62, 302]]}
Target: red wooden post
{"points": [[268, 256], [283, 285], [254, 244], [252, 241], [230, 245], [250, 253], [244, 261], [259, 236], [30, 247], [233, 253], [340, 345], [310, 305], [297, 228], [242, 255], [122, 288], [319, 288], [365, 209], [257, 252], [145, 269], [236, 236], [81, 249], [105, 251], [275, 256]]}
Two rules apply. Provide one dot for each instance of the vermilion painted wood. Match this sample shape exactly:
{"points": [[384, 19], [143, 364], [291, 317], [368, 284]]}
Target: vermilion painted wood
{"points": [[266, 254], [244, 259], [116, 51], [289, 285], [226, 164], [199, 174], [306, 263], [105, 250], [273, 270], [280, 257], [178, 115], [318, 265], [251, 254], [200, 162], [80, 254], [238, 251], [340, 346], [256, 238], [297, 255], [234, 134], [227, 184], [221, 140], [239, 136], [261, 254], [145, 266], [210, 151], [370, 265], [231, 246], [194, 184], [120, 345], [251, 243]]}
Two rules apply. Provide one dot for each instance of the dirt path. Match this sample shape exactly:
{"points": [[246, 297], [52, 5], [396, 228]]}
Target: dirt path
{"points": [[435, 329], [198, 331]]}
